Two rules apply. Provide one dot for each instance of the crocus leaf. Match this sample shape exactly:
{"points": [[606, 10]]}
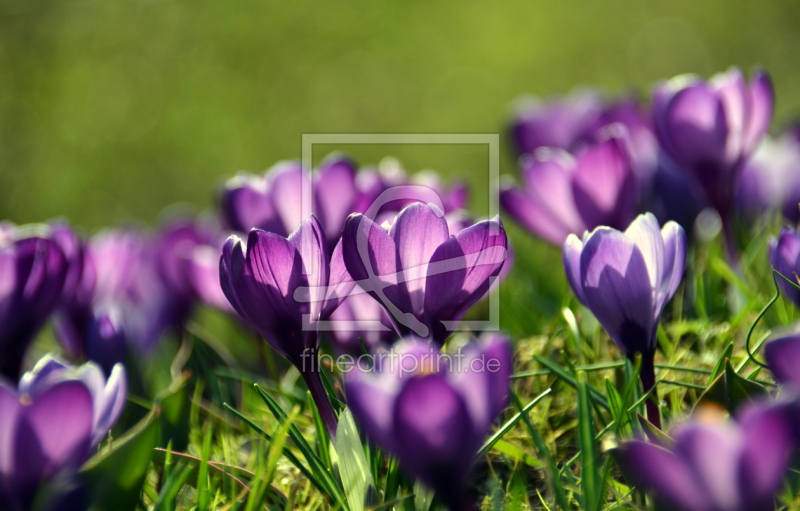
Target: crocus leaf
{"points": [[114, 478], [654, 434], [359, 488], [731, 390]]}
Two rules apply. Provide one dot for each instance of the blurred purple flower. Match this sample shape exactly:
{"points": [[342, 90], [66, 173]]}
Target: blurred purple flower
{"points": [[626, 279], [425, 278], [770, 180], [360, 316], [784, 256], [282, 287], [433, 411], [33, 270], [725, 466], [565, 194], [709, 128], [783, 358], [52, 422]]}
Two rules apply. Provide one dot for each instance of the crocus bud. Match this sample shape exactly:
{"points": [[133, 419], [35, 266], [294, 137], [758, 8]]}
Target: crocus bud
{"points": [[709, 128], [282, 287], [770, 180], [424, 277], [52, 422], [626, 278], [432, 410], [784, 256], [730, 465], [32, 274], [567, 194]]}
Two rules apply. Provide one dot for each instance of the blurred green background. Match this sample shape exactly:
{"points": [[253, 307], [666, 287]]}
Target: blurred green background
{"points": [[113, 109]]}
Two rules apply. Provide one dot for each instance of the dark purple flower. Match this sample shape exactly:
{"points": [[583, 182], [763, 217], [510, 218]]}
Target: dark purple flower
{"points": [[709, 128], [724, 466], [770, 180], [784, 256], [425, 278], [32, 274], [282, 287], [626, 279], [433, 411], [52, 422], [565, 194]]}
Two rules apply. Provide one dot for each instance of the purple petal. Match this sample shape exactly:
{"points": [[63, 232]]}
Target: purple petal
{"points": [[373, 407], [674, 261], [431, 416], [109, 405], [734, 94], [11, 409], [288, 179], [784, 255], [309, 241], [55, 430], [768, 443], [460, 273], [604, 187], [665, 473], [762, 105], [340, 284], [203, 273], [417, 232], [366, 243], [232, 255], [335, 194], [713, 453], [247, 204], [571, 255], [783, 357]]}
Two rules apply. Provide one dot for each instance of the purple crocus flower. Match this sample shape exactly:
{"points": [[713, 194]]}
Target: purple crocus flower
{"points": [[360, 317], [33, 270], [52, 422], [722, 466], [271, 201], [709, 128], [565, 194], [282, 287], [626, 279], [784, 255], [770, 180], [433, 411], [425, 278]]}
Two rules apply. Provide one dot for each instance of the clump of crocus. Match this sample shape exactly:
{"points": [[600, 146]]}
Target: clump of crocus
{"points": [[716, 465], [784, 255], [710, 128], [283, 287], [626, 279], [424, 277], [431, 410], [33, 270], [52, 422], [568, 194]]}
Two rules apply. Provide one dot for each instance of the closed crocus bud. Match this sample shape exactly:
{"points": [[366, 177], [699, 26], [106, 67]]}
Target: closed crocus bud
{"points": [[784, 256], [32, 272], [424, 277], [104, 341], [282, 287], [52, 422], [335, 195], [724, 465], [709, 128], [433, 411], [626, 279], [567, 194]]}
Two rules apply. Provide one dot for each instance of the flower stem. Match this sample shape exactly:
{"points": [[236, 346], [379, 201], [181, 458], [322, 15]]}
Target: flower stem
{"points": [[320, 396], [647, 374]]}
